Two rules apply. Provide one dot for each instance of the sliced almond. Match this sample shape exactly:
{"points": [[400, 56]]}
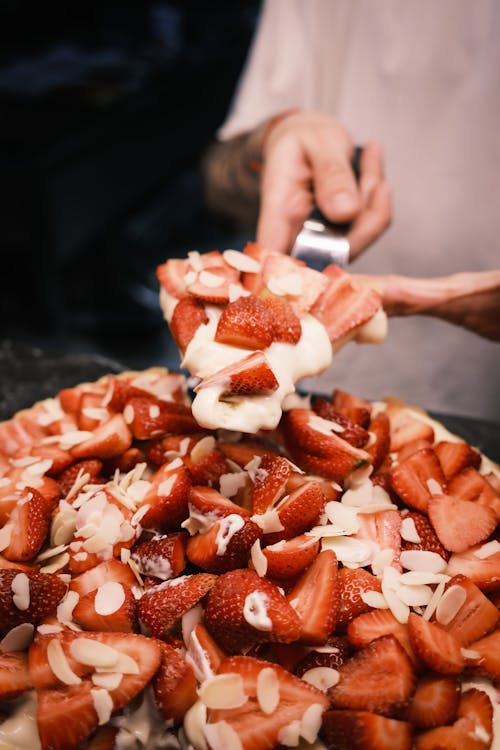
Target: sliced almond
{"points": [[259, 559], [241, 261], [223, 691], [429, 562], [321, 677], [450, 604], [311, 722], [59, 664], [268, 690], [103, 704], [221, 736], [93, 653], [109, 598]]}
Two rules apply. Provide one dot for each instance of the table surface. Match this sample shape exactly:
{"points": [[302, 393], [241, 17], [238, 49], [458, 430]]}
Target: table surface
{"points": [[29, 374]]}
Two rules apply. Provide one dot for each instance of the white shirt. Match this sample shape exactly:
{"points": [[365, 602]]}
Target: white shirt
{"points": [[422, 77]]}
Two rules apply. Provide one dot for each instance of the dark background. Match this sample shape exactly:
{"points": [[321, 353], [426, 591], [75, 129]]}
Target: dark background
{"points": [[105, 111]]}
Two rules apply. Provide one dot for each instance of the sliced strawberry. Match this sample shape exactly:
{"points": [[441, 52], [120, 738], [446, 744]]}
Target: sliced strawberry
{"points": [[468, 614], [60, 459], [206, 466], [286, 327], [103, 738], [92, 467], [316, 447], [414, 522], [298, 511], [435, 700], [344, 305], [167, 500], [225, 546], [299, 285], [171, 276], [109, 570], [163, 605], [469, 484], [125, 462], [250, 376], [439, 650], [456, 456], [460, 524], [365, 628], [348, 430], [149, 418], [379, 443], [353, 407], [256, 727], [363, 730], [488, 661], [189, 314], [378, 678], [475, 713], [163, 556], [204, 653], [484, 571], [243, 609], [14, 675], [111, 608], [245, 450], [270, 482], [447, 738], [174, 685], [416, 478], [353, 583], [163, 449], [29, 521], [109, 440], [211, 503], [20, 432], [287, 559], [27, 596], [315, 598], [247, 323], [406, 426], [91, 412], [408, 449], [333, 654], [66, 717]]}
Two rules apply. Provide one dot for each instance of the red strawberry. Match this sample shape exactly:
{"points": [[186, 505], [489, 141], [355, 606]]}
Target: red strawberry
{"points": [[247, 323], [60, 458], [315, 598], [250, 376], [378, 678], [333, 654], [103, 738], [472, 614], [439, 650], [353, 583], [27, 596], [365, 628], [206, 467], [344, 305], [413, 479], [286, 326], [225, 546], [91, 412], [14, 675], [243, 609], [163, 556], [406, 426], [348, 430], [163, 605], [383, 530], [174, 685], [253, 724], [189, 314], [488, 662], [287, 559], [429, 541], [408, 449], [300, 286], [469, 484], [353, 407], [435, 700], [203, 650], [66, 717], [380, 440], [213, 284], [211, 503], [167, 500], [245, 450], [270, 482], [460, 524], [475, 715], [163, 449], [20, 432], [298, 511], [148, 418], [92, 467], [456, 456], [29, 520], [171, 276], [363, 730], [112, 607], [109, 570], [483, 571], [109, 440]]}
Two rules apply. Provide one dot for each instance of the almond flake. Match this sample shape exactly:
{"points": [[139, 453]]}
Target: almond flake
{"points": [[190, 277], [59, 663], [18, 638], [93, 653], [56, 563], [259, 559], [202, 448], [311, 722], [450, 604], [72, 438], [268, 521], [415, 595], [49, 629], [199, 659], [289, 734], [417, 577], [230, 483], [374, 599], [103, 704], [195, 260], [190, 620], [409, 531], [469, 653], [286, 283], [342, 516], [5, 535], [348, 550], [223, 691], [195, 721], [109, 598], [20, 587], [321, 677], [236, 291], [381, 560], [107, 680], [129, 414], [429, 562], [399, 609], [268, 690], [211, 280], [221, 736], [241, 261], [434, 487], [51, 552], [431, 607], [324, 426], [165, 487], [487, 550], [64, 611]]}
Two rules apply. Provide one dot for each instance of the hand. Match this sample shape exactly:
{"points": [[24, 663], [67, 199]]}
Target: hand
{"points": [[307, 161], [470, 300]]}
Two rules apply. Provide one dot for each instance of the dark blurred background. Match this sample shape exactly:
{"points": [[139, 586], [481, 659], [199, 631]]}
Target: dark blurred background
{"points": [[106, 110]]}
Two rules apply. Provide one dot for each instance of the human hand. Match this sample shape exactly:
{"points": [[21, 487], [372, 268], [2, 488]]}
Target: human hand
{"points": [[470, 300], [307, 162]]}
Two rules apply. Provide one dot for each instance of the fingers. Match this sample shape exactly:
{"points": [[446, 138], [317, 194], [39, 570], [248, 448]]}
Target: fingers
{"points": [[372, 221]]}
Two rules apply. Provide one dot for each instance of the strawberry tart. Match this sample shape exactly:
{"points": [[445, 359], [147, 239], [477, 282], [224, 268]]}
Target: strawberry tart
{"points": [[333, 583]]}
